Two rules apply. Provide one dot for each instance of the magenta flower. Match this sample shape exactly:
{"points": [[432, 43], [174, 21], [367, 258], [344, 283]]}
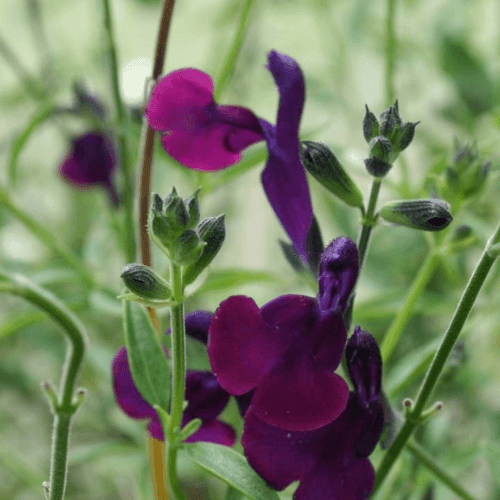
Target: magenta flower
{"points": [[205, 396], [331, 462], [282, 358], [91, 162], [203, 135]]}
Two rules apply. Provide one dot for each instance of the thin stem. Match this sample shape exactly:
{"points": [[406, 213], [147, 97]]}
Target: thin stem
{"points": [[156, 450], [64, 407], [178, 356], [46, 237], [128, 191], [369, 221], [449, 339], [228, 68], [437, 470], [148, 134], [394, 332], [390, 52]]}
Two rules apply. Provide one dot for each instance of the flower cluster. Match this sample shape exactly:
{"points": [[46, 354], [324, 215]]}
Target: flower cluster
{"points": [[203, 135], [206, 398]]}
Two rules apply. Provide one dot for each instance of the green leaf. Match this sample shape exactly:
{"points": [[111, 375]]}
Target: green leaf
{"points": [[148, 363], [196, 355], [491, 451], [225, 279], [231, 467], [232, 494]]}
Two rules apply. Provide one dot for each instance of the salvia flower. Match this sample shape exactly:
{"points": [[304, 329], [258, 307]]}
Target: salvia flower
{"points": [[91, 162], [330, 462], [203, 135], [206, 398], [281, 359]]}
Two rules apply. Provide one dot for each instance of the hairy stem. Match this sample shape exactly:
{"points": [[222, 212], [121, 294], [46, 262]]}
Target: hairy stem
{"points": [[369, 221]]}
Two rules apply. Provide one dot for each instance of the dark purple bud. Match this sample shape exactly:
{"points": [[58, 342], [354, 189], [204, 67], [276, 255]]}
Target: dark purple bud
{"points": [[364, 363], [377, 167], [338, 271]]}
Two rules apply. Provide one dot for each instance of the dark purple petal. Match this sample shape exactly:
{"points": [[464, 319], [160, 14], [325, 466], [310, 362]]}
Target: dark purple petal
{"points": [[197, 323], [338, 271], [373, 430], [364, 363], [242, 348], [244, 401], [284, 179], [348, 479], [280, 456], [178, 101], [155, 429], [215, 432], [127, 396], [91, 161], [205, 396]]}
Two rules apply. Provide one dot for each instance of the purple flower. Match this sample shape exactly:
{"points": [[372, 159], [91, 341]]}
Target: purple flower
{"points": [[197, 132], [205, 396], [287, 352], [91, 162], [331, 462], [203, 135]]}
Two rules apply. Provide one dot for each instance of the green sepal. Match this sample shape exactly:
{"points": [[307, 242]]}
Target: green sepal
{"points": [[371, 126], [145, 283], [155, 304]]}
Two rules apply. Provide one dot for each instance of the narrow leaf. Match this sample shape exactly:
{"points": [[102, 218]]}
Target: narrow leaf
{"points": [[232, 468], [148, 363]]}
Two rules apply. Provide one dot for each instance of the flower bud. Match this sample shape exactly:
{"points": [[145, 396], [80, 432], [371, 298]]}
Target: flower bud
{"points": [[145, 283], [211, 231], [404, 136], [371, 126], [187, 248], [323, 165], [193, 208], [426, 215], [390, 121], [381, 148], [377, 167]]}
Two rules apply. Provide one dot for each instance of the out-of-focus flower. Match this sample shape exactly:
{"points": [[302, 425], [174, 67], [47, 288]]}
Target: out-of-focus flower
{"points": [[281, 359], [203, 135], [206, 398], [91, 162], [330, 462]]}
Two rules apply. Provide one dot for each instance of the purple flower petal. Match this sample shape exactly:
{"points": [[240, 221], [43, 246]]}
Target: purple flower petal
{"points": [[338, 271], [91, 161], [206, 397], [242, 348], [178, 100], [364, 363], [351, 479], [284, 179], [279, 456], [127, 396], [215, 432]]}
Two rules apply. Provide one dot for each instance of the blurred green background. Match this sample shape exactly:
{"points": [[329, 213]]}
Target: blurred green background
{"points": [[446, 75]]}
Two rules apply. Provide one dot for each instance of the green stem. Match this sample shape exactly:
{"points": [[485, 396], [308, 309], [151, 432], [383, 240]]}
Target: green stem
{"points": [[128, 191], [369, 221], [449, 339], [46, 237], [437, 470], [390, 52], [394, 332], [178, 357], [64, 407], [228, 67]]}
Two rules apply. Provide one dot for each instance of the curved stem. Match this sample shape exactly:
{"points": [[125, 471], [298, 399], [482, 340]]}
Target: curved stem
{"points": [[449, 339], [427, 460], [46, 237], [63, 406], [228, 67], [390, 52], [394, 332], [178, 356], [369, 221], [128, 191]]}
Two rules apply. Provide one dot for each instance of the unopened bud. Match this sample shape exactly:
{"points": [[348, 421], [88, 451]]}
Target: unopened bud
{"points": [[187, 248], [381, 148], [404, 136], [390, 121], [377, 167], [425, 215], [371, 126], [145, 283], [320, 162]]}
